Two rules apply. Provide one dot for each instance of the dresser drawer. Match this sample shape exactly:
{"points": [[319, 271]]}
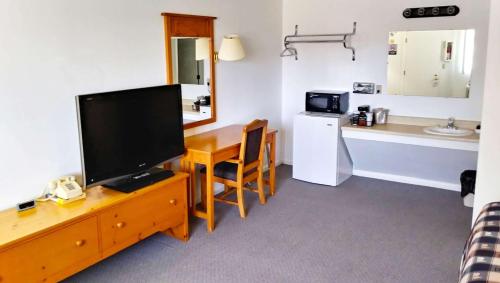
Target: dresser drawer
{"points": [[42, 258], [142, 216]]}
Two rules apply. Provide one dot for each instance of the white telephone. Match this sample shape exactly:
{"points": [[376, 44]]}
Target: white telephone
{"points": [[65, 188]]}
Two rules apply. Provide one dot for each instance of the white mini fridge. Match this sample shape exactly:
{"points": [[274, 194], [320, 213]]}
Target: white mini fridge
{"points": [[319, 151]]}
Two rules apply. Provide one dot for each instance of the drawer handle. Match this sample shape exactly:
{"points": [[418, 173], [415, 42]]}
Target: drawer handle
{"points": [[120, 224], [173, 201], [80, 243]]}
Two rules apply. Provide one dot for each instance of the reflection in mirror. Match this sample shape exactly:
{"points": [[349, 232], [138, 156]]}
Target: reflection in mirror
{"points": [[191, 69], [430, 63]]}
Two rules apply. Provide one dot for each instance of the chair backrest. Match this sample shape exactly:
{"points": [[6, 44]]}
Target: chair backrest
{"points": [[252, 143]]}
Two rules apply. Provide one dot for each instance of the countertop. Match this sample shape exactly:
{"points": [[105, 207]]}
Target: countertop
{"points": [[410, 131]]}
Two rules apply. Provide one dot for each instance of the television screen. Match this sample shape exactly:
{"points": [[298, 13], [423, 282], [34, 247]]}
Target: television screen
{"points": [[130, 131]]}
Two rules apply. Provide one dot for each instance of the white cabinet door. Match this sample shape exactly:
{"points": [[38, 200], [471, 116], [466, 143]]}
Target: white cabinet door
{"points": [[315, 141]]}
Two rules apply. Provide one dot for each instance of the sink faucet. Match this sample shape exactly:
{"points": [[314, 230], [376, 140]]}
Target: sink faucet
{"points": [[451, 123]]}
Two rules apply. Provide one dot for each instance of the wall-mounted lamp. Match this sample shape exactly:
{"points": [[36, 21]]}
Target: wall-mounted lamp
{"points": [[202, 47], [231, 48]]}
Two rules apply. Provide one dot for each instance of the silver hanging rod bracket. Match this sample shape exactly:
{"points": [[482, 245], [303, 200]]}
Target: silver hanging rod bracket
{"points": [[345, 39]]}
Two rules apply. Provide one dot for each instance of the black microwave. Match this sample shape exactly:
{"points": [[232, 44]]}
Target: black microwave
{"points": [[328, 101]]}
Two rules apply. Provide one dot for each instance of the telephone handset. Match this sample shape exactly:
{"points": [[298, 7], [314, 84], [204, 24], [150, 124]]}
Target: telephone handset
{"points": [[65, 188]]}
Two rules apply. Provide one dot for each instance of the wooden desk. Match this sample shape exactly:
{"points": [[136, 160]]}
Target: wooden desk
{"points": [[215, 146]]}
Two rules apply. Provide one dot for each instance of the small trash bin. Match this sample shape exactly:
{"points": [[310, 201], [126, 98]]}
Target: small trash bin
{"points": [[468, 182]]}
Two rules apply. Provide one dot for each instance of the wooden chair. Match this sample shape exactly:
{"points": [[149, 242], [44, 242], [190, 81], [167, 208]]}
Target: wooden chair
{"points": [[247, 167]]}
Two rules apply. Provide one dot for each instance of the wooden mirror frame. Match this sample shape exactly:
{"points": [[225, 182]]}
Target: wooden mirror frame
{"points": [[180, 25]]}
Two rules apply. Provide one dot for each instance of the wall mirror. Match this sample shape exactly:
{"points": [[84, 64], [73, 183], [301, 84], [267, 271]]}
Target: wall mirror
{"points": [[190, 62], [430, 63]]}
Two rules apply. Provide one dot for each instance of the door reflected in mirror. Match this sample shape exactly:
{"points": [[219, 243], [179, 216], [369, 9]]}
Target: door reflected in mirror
{"points": [[191, 69], [430, 63]]}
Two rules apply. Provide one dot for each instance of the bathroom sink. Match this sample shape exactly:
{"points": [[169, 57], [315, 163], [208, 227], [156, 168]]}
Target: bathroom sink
{"points": [[444, 131]]}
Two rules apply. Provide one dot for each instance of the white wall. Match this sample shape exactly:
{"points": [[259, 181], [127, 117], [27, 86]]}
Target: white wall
{"points": [[488, 178], [52, 50], [329, 66]]}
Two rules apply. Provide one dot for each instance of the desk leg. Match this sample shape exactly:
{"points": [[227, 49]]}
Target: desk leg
{"points": [[210, 197], [272, 166], [184, 167], [192, 185], [203, 192]]}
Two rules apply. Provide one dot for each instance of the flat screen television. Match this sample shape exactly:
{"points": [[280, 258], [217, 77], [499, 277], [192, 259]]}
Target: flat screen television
{"points": [[125, 133]]}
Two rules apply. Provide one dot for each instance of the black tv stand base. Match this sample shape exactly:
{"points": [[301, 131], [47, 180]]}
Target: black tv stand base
{"points": [[143, 179]]}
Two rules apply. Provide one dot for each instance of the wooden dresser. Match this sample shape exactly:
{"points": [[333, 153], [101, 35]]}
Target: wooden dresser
{"points": [[52, 242]]}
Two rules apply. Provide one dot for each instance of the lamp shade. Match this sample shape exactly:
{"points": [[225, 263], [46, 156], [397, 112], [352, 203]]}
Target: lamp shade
{"points": [[231, 48], [202, 48]]}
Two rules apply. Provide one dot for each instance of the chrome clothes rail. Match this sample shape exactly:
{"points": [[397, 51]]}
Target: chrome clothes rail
{"points": [[317, 38]]}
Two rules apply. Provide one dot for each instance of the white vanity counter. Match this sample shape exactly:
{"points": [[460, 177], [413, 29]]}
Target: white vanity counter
{"points": [[401, 151], [410, 134]]}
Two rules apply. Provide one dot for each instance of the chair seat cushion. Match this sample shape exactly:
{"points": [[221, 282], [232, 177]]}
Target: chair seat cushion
{"points": [[226, 170]]}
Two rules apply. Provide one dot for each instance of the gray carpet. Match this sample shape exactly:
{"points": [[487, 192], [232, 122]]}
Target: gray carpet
{"points": [[366, 230]]}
